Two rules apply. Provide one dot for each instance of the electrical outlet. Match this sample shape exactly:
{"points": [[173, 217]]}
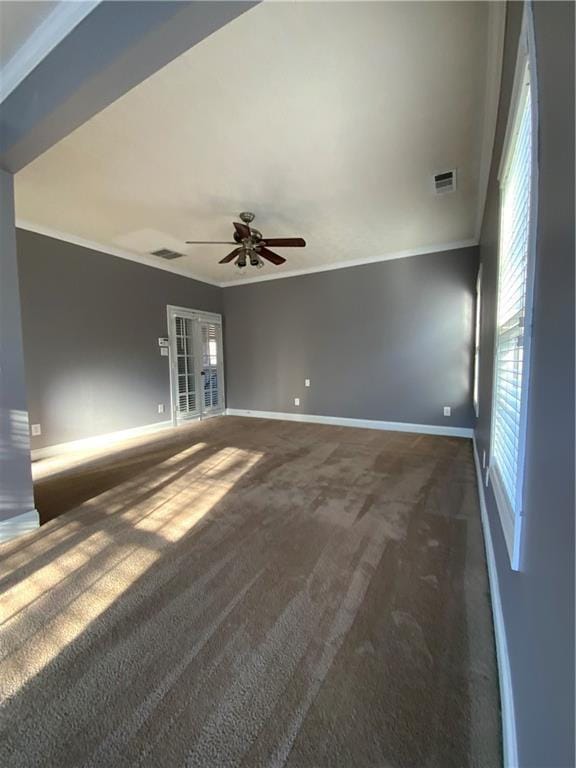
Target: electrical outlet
{"points": [[160, 407], [306, 382], [296, 401], [447, 410], [35, 430]]}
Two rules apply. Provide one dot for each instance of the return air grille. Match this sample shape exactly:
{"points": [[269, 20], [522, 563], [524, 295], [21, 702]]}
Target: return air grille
{"points": [[445, 182], [165, 253]]}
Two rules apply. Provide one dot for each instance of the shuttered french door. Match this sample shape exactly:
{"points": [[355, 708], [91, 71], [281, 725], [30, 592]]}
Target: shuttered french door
{"points": [[196, 365], [211, 349], [184, 371]]}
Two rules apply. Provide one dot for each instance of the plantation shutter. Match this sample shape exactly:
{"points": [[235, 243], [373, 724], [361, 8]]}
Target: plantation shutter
{"points": [[210, 365], [186, 382]]}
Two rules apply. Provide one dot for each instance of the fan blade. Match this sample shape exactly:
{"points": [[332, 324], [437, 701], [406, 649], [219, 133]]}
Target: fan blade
{"points": [[285, 242], [230, 256], [242, 229], [271, 256], [210, 242]]}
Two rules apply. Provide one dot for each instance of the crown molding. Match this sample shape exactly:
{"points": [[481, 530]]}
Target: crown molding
{"points": [[169, 267], [120, 253], [55, 27], [494, 58], [437, 248]]}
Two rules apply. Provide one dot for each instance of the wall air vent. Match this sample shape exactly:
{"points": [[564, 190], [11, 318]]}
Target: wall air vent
{"points": [[445, 182], [166, 253]]}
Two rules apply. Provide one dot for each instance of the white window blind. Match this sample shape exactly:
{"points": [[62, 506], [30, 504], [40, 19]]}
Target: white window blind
{"points": [[507, 452]]}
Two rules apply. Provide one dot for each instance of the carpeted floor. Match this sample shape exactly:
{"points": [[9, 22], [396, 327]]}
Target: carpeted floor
{"points": [[254, 593]]}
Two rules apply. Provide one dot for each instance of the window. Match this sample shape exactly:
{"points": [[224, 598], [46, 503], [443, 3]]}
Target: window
{"points": [[514, 307], [477, 342]]}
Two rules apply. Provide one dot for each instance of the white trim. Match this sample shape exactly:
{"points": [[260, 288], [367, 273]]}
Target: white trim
{"points": [[509, 738], [517, 104], [477, 339], [393, 426], [510, 526], [494, 58], [98, 441], [525, 67], [173, 311], [47, 35], [355, 262], [194, 314], [524, 60], [147, 261], [19, 524]]}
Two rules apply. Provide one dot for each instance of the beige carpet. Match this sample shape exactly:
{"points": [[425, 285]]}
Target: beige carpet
{"points": [[253, 593]]}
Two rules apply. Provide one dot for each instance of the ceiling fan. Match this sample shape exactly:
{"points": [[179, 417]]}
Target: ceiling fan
{"points": [[251, 245]]}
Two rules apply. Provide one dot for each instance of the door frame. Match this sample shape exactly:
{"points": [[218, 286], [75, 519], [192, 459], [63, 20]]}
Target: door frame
{"points": [[173, 311]]}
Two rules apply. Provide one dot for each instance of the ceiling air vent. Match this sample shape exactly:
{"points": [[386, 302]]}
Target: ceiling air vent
{"points": [[445, 182], [166, 253]]}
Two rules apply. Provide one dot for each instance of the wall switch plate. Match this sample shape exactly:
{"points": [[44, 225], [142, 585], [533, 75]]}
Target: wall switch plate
{"points": [[447, 410], [306, 382], [36, 430], [163, 341], [160, 407], [296, 401], [164, 351]]}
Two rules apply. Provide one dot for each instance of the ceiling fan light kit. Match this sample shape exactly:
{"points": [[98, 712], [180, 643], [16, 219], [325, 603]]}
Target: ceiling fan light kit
{"points": [[251, 245]]}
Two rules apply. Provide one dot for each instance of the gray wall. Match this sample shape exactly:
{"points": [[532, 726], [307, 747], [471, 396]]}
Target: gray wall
{"points": [[538, 602], [16, 496], [91, 324], [389, 341]]}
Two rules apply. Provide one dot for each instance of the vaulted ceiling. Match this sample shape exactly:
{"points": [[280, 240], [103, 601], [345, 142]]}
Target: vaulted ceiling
{"points": [[18, 22], [328, 120]]}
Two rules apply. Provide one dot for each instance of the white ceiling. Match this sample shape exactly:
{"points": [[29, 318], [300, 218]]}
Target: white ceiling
{"points": [[328, 120]]}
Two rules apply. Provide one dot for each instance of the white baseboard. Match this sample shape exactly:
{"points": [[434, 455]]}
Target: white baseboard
{"points": [[98, 441], [509, 739], [394, 426], [19, 524]]}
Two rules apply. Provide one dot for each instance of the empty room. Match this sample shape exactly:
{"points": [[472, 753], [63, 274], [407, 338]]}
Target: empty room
{"points": [[287, 384]]}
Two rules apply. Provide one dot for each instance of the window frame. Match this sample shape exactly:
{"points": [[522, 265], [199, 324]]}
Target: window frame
{"points": [[512, 519], [477, 341]]}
